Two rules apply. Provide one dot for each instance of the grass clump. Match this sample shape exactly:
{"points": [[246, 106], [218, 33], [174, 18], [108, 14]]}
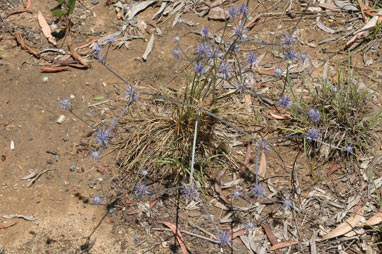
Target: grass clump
{"points": [[338, 117]]}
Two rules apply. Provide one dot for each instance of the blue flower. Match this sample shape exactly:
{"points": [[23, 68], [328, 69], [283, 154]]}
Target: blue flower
{"points": [[237, 194], [257, 191], [288, 41], [312, 134], [190, 192], [303, 56], [241, 87], [264, 146], [290, 55], [97, 200], [95, 155], [101, 59], [287, 203], [132, 94], [224, 238], [199, 68], [314, 115], [203, 50], [240, 31], [176, 52], [141, 189], [233, 12], [225, 69], [349, 149], [250, 226], [279, 72], [103, 137], [251, 60], [233, 47], [205, 32], [111, 39], [65, 103], [214, 54], [243, 9], [97, 48], [284, 101]]}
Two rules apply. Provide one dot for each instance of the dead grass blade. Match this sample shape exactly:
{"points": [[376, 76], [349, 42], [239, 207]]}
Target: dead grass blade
{"points": [[52, 69], [21, 10], [149, 48], [28, 49], [178, 235], [282, 245], [346, 226]]}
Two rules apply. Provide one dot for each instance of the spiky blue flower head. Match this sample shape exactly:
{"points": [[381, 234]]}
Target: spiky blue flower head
{"points": [[190, 192], [233, 13], [214, 54], [312, 134], [287, 203], [203, 50], [241, 87], [97, 200], [65, 103], [251, 60], [225, 69], [288, 41], [284, 101], [314, 115], [233, 47], [224, 238], [132, 94], [177, 52], [97, 48], [199, 68], [237, 194], [205, 32], [257, 191], [243, 9], [290, 55], [303, 56], [349, 149], [250, 226], [95, 155], [101, 59], [141, 189], [264, 145], [240, 31], [103, 136], [334, 89]]}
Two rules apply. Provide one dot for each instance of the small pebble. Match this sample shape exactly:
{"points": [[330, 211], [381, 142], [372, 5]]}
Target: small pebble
{"points": [[12, 145], [60, 119], [73, 167], [49, 161], [72, 96], [65, 139], [45, 79], [91, 185], [30, 138], [89, 114], [94, 2]]}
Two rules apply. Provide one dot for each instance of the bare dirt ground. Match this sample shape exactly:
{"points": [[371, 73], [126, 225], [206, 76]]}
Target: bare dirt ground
{"points": [[65, 218]]}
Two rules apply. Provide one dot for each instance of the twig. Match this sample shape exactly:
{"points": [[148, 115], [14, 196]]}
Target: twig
{"points": [[187, 233], [99, 103]]}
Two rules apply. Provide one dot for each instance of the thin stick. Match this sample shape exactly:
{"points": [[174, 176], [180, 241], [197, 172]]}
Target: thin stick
{"points": [[194, 147], [187, 233]]}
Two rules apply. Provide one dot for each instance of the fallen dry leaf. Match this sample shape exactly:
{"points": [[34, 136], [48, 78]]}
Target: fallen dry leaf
{"points": [[46, 28], [376, 219], [75, 54], [28, 49], [218, 13], [282, 245], [334, 168], [265, 72], [271, 237], [263, 165], [7, 225], [346, 226], [279, 117], [178, 235]]}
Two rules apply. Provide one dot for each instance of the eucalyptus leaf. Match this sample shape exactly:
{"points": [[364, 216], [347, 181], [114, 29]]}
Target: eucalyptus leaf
{"points": [[59, 13], [98, 98], [71, 4]]}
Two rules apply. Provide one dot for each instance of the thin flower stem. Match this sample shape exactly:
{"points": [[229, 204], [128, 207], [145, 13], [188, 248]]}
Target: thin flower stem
{"points": [[194, 147], [82, 120]]}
